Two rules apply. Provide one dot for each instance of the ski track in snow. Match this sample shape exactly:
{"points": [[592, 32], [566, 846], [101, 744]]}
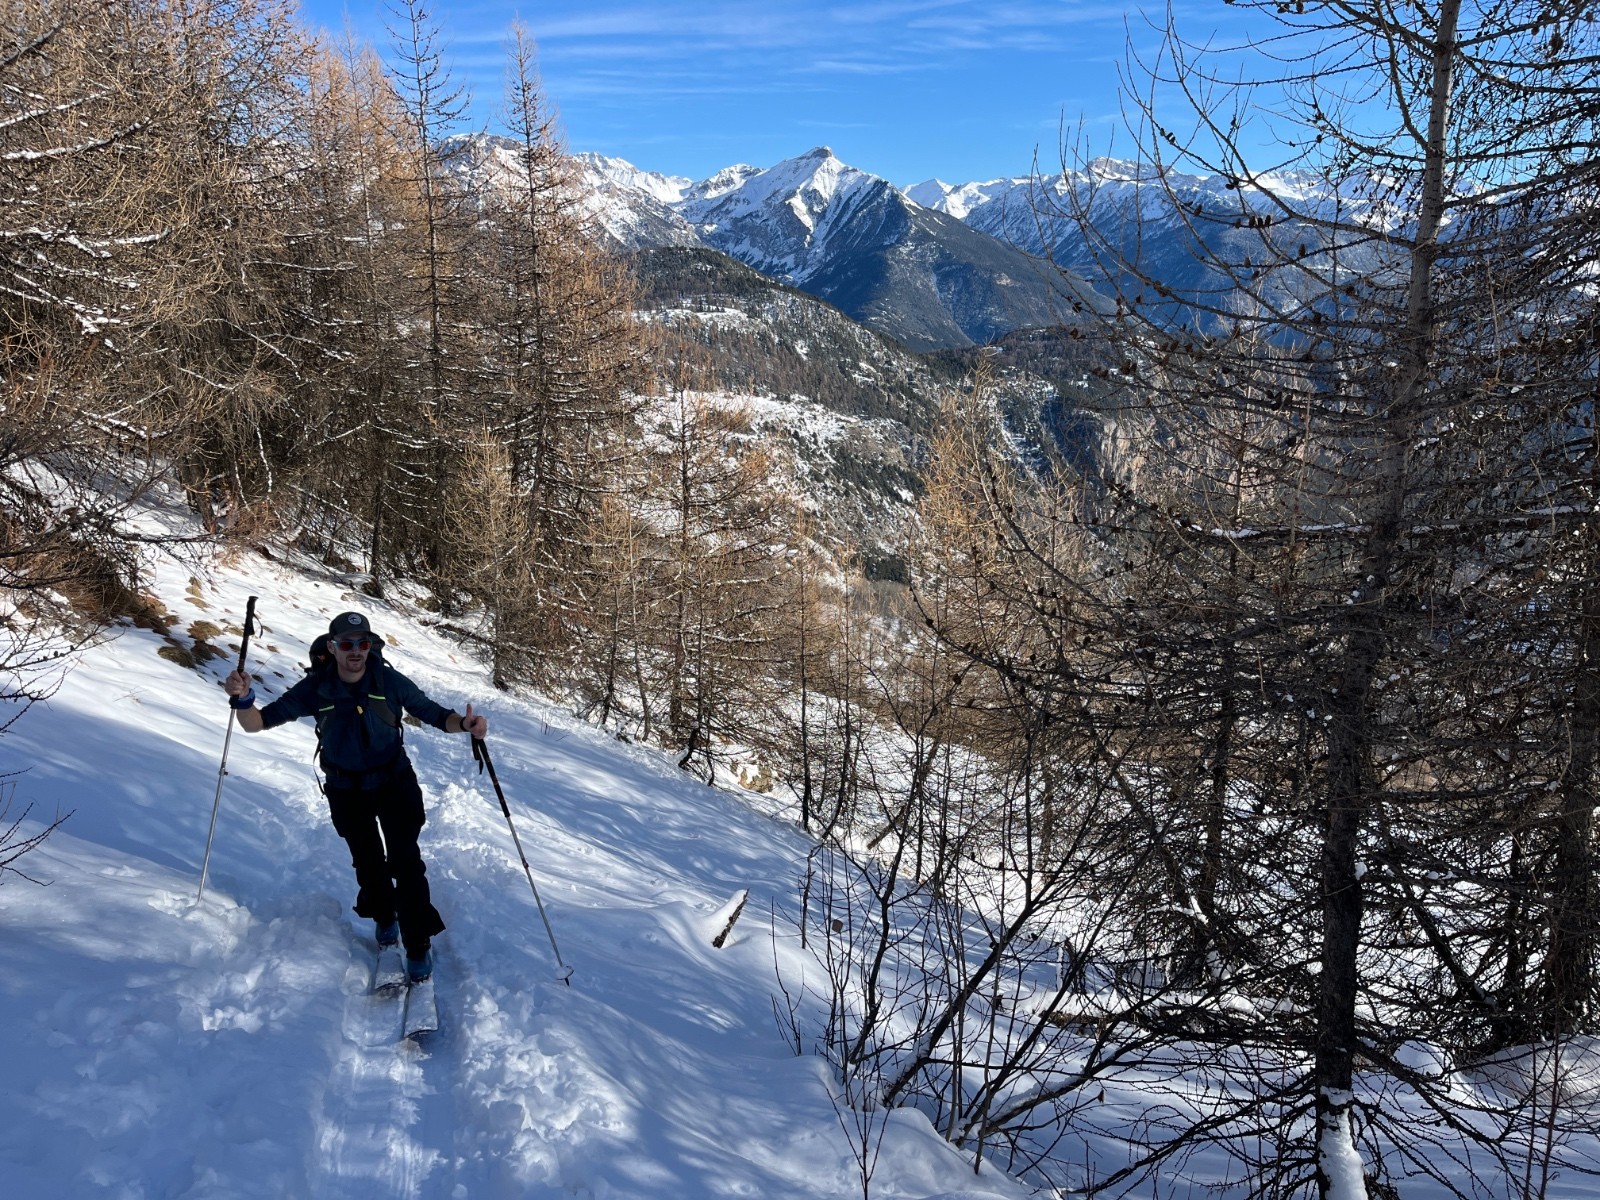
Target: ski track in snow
{"points": [[155, 1048]]}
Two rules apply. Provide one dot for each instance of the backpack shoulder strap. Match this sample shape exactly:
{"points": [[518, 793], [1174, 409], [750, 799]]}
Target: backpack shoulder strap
{"points": [[377, 692]]}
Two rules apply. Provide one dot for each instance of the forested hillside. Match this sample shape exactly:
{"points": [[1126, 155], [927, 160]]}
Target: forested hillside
{"points": [[1212, 685]]}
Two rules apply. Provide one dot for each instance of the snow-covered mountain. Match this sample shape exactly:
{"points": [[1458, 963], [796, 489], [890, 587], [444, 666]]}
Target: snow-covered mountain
{"points": [[630, 207], [853, 239], [634, 207], [1152, 220], [811, 286], [727, 180], [944, 265], [621, 174], [784, 220], [959, 200], [1039, 213]]}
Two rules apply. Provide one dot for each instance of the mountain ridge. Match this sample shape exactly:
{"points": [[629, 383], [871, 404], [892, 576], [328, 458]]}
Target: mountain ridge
{"points": [[848, 237]]}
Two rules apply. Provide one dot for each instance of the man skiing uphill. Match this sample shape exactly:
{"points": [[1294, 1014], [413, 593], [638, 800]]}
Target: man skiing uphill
{"points": [[373, 794]]}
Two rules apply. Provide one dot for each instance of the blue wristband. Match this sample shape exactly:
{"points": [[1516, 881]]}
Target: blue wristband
{"points": [[247, 700]]}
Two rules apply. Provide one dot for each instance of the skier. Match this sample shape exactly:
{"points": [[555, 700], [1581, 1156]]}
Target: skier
{"points": [[373, 794]]}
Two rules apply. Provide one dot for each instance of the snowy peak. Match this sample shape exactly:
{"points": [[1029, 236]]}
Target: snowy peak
{"points": [[629, 207], [857, 241], [938, 264], [668, 189], [632, 206], [929, 193], [958, 200], [729, 179], [1174, 227], [1114, 189], [772, 218], [813, 180]]}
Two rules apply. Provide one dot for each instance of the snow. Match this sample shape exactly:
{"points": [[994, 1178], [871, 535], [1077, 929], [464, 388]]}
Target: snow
{"points": [[159, 1048], [780, 219], [669, 189], [960, 199], [719, 318], [155, 1047], [729, 179], [1337, 1151], [814, 179]]}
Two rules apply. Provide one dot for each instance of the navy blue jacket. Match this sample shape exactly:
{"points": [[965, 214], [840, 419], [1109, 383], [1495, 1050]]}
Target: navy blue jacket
{"points": [[358, 728]]}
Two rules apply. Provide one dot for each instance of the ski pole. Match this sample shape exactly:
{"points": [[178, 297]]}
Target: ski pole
{"points": [[222, 771], [480, 751]]}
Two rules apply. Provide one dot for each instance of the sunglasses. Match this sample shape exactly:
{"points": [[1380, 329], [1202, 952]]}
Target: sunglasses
{"points": [[346, 645]]}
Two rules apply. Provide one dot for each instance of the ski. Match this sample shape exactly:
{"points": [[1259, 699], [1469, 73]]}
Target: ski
{"points": [[389, 973], [422, 1010], [419, 1008]]}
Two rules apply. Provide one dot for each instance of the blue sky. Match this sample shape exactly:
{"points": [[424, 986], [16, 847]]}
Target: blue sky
{"points": [[907, 89]]}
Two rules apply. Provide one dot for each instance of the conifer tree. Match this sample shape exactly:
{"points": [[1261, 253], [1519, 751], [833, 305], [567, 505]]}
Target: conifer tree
{"points": [[1291, 611], [435, 240], [715, 589], [1354, 451], [566, 354], [355, 405]]}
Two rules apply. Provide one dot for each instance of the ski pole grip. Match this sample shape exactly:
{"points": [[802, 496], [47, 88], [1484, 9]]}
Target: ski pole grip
{"points": [[249, 623]]}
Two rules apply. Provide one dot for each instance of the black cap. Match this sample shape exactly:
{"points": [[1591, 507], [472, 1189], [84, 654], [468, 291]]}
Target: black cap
{"points": [[348, 623]]}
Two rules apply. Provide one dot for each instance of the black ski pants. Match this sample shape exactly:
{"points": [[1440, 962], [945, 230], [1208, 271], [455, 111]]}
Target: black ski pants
{"points": [[381, 822]]}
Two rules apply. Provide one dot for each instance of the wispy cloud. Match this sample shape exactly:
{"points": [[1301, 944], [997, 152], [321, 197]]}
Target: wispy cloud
{"points": [[911, 87], [788, 33]]}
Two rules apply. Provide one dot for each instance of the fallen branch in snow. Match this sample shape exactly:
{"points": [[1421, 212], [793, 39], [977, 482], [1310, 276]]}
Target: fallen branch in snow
{"points": [[733, 908]]}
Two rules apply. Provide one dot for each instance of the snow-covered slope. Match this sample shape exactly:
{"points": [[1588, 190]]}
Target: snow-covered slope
{"points": [[959, 200], [669, 189], [155, 1048], [634, 207]]}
